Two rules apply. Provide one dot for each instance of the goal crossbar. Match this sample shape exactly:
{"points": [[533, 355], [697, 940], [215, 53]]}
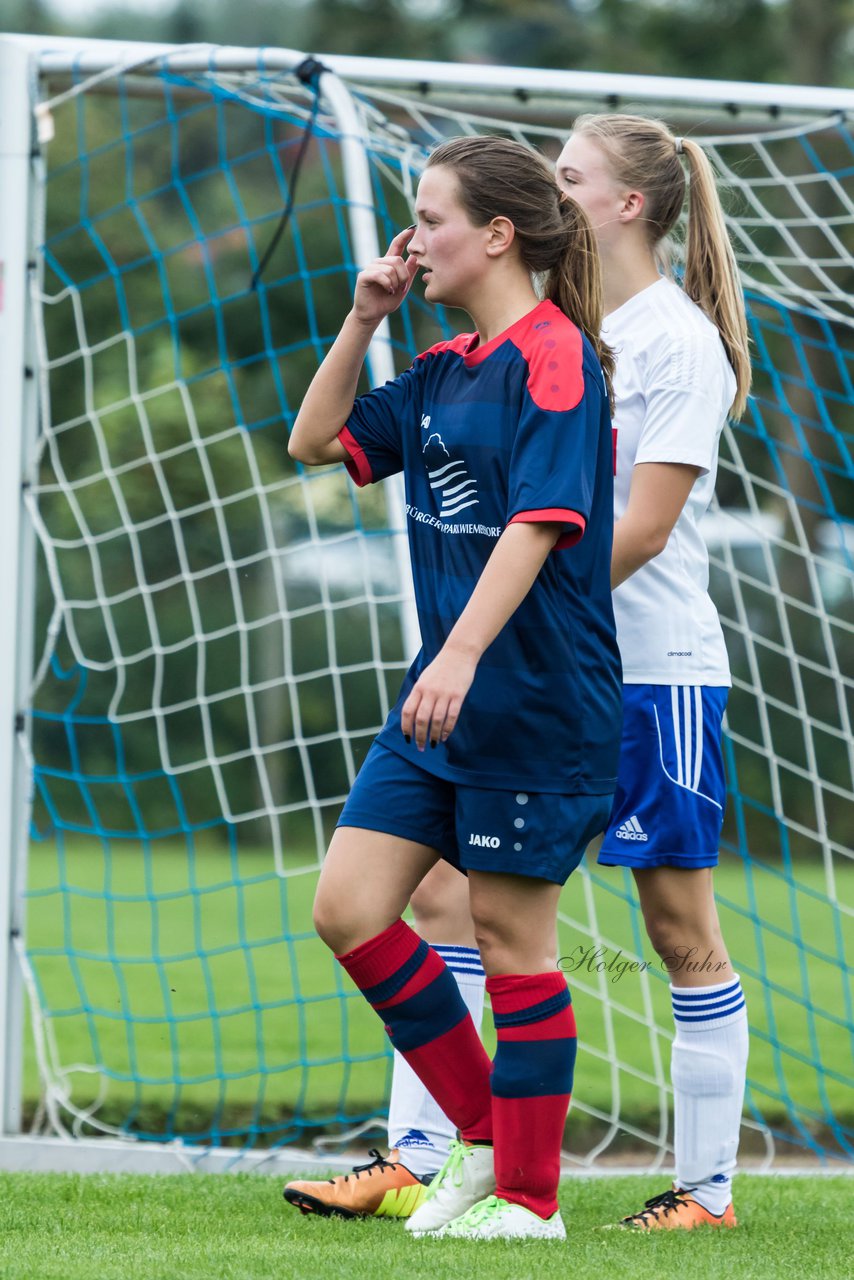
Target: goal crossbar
{"points": [[66, 55]]}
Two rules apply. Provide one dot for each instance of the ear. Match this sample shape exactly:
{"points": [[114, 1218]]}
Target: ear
{"points": [[500, 235], [632, 206]]}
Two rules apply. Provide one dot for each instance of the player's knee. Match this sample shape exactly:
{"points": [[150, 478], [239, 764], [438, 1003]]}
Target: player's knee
{"points": [[491, 937], [681, 941], [331, 922], [427, 903], [664, 930], [506, 948], [440, 905]]}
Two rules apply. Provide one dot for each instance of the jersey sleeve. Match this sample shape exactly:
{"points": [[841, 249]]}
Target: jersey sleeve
{"points": [[553, 465], [687, 392], [373, 433]]}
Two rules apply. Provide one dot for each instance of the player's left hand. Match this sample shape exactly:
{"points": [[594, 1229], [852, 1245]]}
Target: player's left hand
{"points": [[432, 709]]}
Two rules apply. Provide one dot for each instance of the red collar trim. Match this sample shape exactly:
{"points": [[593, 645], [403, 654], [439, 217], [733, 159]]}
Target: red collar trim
{"points": [[475, 353]]}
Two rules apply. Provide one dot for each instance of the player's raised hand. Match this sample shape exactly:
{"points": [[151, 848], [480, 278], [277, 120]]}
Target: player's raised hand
{"points": [[382, 286]]}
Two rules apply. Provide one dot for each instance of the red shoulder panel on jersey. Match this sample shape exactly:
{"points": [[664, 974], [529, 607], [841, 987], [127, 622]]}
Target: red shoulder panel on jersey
{"points": [[551, 345], [460, 344]]}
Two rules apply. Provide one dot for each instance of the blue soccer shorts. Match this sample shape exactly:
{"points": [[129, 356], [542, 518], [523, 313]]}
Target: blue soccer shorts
{"points": [[542, 835], [671, 790]]}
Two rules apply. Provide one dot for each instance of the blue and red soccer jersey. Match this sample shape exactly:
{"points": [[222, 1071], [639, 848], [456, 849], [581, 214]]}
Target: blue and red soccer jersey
{"points": [[515, 429]]}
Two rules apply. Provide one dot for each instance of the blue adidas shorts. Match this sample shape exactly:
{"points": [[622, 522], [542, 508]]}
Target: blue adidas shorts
{"points": [[541, 835], [671, 789]]}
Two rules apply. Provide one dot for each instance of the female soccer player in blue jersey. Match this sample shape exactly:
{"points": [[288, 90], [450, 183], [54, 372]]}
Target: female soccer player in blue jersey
{"points": [[501, 752], [682, 367]]}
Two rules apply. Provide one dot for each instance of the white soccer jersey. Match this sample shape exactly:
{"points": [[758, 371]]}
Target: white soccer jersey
{"points": [[673, 388]]}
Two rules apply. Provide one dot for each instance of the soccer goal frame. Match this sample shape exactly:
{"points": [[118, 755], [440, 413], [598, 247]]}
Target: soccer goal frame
{"points": [[511, 94]]}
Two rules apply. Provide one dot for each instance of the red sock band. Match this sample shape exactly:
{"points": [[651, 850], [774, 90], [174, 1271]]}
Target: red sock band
{"points": [[412, 990], [531, 1085]]}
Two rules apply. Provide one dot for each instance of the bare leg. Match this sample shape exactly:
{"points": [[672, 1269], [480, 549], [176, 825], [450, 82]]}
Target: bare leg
{"points": [[441, 908], [365, 883], [681, 919], [515, 922]]}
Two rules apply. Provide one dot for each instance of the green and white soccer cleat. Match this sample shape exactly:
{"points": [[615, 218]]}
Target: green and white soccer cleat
{"points": [[496, 1219], [466, 1177]]}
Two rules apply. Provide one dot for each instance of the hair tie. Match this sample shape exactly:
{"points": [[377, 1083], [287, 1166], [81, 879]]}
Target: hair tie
{"points": [[678, 145]]}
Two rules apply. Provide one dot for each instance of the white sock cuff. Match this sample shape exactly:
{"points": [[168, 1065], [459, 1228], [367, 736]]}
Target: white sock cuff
{"points": [[704, 1008], [705, 991], [462, 961]]}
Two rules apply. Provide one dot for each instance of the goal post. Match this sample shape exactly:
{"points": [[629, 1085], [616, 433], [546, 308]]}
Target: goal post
{"points": [[218, 632], [18, 238]]}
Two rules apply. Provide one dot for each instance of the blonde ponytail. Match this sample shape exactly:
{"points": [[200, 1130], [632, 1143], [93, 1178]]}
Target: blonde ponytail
{"points": [[711, 274], [645, 156]]}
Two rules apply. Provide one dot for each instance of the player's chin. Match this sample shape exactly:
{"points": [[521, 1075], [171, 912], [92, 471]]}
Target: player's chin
{"points": [[439, 294]]}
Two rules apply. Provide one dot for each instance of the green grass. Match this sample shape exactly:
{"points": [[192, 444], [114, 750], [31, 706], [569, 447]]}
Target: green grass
{"points": [[134, 951], [67, 1227]]}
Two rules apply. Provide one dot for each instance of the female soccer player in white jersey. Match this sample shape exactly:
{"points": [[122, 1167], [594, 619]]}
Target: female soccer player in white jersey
{"points": [[501, 752], [682, 367]]}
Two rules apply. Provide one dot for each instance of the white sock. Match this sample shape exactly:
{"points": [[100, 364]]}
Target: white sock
{"points": [[708, 1068], [417, 1125]]}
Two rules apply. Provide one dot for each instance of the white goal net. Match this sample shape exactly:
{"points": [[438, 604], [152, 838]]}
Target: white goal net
{"points": [[218, 632]]}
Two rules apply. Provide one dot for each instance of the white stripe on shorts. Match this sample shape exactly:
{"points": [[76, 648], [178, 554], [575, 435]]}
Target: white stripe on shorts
{"points": [[698, 734], [674, 709], [678, 780]]}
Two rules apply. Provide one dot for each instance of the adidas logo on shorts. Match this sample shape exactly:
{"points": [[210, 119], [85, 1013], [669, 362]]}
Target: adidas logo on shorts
{"points": [[631, 830]]}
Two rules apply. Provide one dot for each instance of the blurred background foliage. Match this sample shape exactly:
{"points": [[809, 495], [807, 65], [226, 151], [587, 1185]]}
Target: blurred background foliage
{"points": [[790, 41], [153, 211]]}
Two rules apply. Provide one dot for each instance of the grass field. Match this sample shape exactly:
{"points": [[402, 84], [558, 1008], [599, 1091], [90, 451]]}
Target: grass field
{"points": [[134, 951], [238, 1228]]}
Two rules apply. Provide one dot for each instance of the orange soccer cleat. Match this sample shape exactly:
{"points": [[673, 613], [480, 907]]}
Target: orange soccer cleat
{"points": [[676, 1211], [382, 1189]]}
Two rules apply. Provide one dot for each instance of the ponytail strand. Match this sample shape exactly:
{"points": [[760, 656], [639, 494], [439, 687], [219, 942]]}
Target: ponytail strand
{"points": [[645, 156], [711, 275], [574, 284]]}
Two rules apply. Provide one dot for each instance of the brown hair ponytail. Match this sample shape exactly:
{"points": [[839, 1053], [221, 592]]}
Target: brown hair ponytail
{"points": [[645, 156], [574, 284], [500, 178]]}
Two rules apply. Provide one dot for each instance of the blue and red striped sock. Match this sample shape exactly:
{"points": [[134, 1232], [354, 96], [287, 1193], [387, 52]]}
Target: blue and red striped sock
{"points": [[531, 1085], [412, 990]]}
